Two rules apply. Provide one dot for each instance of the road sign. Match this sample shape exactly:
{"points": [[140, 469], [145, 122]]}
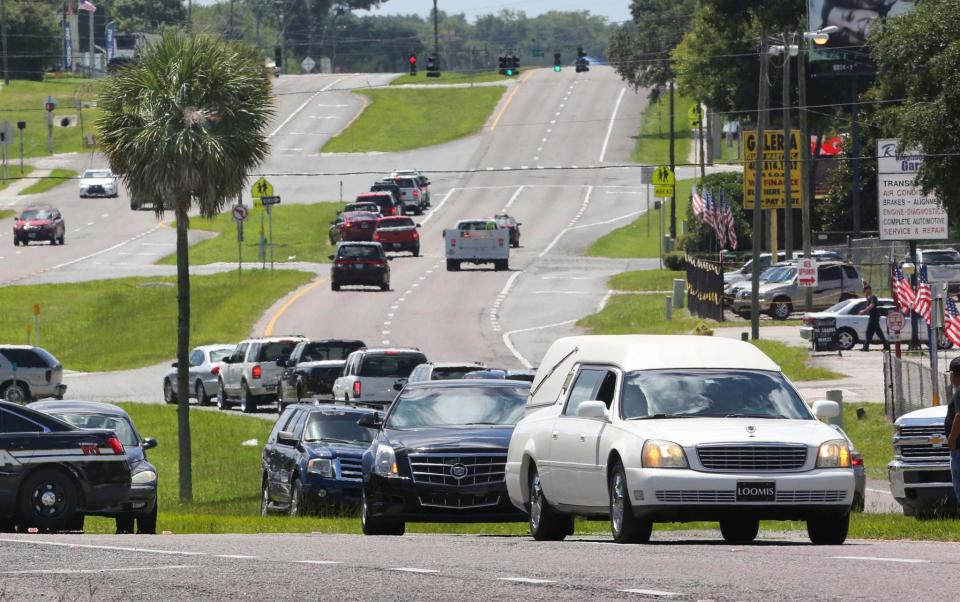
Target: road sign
{"points": [[266, 201], [49, 103], [807, 275], [663, 182], [261, 188], [240, 213], [772, 189], [6, 133], [895, 321], [308, 64], [693, 116]]}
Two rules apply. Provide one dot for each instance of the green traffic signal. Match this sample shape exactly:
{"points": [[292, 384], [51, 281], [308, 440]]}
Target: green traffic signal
{"points": [[556, 68], [509, 71]]}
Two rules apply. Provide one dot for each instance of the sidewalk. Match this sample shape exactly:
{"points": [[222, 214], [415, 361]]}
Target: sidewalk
{"points": [[13, 190]]}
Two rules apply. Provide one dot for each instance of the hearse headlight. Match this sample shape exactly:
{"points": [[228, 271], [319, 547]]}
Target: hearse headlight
{"points": [[321, 466], [834, 454], [385, 461], [663, 454]]}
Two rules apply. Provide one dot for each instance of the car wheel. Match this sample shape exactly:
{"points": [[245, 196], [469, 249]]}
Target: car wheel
{"points": [[453, 265], [846, 338], [168, 395], [828, 530], [858, 502], [378, 526], [739, 531], [385, 285], [63, 238], [416, 251], [48, 500], [201, 394], [299, 390], [247, 403], [125, 523], [334, 286], [546, 524], [223, 403], [147, 523], [264, 500], [298, 505], [15, 392], [626, 527], [16, 241], [781, 309]]}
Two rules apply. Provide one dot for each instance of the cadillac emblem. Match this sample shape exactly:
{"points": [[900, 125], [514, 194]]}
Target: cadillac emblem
{"points": [[751, 430], [458, 471]]}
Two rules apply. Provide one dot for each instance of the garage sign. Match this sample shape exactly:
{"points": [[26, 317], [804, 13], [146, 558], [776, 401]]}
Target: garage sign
{"points": [[905, 213]]}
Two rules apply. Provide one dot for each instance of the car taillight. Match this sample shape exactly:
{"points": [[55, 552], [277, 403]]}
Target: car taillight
{"points": [[416, 235], [808, 320], [346, 224], [257, 372], [376, 235], [379, 264], [356, 388], [453, 242], [115, 445], [416, 194], [215, 370], [856, 460]]}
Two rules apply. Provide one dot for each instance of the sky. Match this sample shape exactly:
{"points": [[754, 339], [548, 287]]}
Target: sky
{"points": [[615, 10]]}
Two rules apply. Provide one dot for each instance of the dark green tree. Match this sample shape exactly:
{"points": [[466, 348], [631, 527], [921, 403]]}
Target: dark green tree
{"points": [[699, 237], [147, 15], [33, 38]]}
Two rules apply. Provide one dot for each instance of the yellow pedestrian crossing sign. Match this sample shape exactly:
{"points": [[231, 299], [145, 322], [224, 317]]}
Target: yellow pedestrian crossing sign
{"points": [[663, 181], [261, 188]]}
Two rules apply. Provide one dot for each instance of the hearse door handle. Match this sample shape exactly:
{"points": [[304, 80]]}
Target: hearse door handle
{"points": [[583, 437], [554, 434]]}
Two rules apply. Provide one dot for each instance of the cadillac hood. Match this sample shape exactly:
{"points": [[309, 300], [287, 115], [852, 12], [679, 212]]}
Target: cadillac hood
{"points": [[492, 438]]}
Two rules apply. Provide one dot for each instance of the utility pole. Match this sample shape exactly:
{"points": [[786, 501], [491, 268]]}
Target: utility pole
{"points": [[436, 35], [758, 189], [703, 158], [673, 170], [787, 147], [805, 166], [855, 155], [3, 35], [230, 34]]}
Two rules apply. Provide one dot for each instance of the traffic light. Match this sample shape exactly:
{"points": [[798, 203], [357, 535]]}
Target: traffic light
{"points": [[515, 62], [278, 56], [582, 63], [413, 63], [433, 69], [557, 65], [505, 65]]}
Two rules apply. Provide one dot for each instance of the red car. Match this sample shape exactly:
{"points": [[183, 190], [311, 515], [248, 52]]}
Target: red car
{"points": [[386, 201], [353, 226], [40, 222], [398, 234]]}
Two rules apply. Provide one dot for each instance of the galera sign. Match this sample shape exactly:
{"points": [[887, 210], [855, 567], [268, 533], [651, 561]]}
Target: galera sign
{"points": [[905, 213], [807, 273]]}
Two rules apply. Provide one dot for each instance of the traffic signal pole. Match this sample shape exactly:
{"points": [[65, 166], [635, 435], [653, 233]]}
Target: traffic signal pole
{"points": [[673, 169]]}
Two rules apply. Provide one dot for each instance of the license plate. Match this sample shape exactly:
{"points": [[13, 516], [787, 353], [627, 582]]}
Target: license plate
{"points": [[756, 491], [358, 266], [396, 245], [32, 235]]}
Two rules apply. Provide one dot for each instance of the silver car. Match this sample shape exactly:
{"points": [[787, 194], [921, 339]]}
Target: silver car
{"points": [[836, 282], [206, 362], [98, 182], [28, 373]]}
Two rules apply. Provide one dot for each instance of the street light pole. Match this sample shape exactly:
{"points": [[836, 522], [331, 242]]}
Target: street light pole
{"points": [[787, 147], [804, 164], [758, 190]]}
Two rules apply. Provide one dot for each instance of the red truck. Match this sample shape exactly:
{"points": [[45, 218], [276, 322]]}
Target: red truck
{"points": [[398, 234]]}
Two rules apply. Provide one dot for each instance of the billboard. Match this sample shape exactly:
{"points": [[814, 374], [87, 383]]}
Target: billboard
{"points": [[854, 18]]}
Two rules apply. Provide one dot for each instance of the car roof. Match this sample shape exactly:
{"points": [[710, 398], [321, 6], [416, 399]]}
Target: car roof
{"points": [[390, 350], [358, 243], [474, 365], [492, 383], [374, 193], [335, 341], [8, 346], [36, 207], [359, 215], [215, 346], [329, 363], [77, 405], [333, 407]]}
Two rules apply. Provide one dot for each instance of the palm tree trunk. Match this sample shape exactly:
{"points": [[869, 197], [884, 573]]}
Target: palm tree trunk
{"points": [[183, 355]]}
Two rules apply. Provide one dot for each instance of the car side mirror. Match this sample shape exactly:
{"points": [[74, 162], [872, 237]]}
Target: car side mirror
{"points": [[331, 257], [149, 443], [826, 409], [174, 364], [282, 362], [592, 409], [418, 225], [519, 224], [287, 438], [371, 421], [398, 385]]}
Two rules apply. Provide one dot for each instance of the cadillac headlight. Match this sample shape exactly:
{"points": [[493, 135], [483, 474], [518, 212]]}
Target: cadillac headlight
{"points": [[663, 454], [144, 477], [833, 454], [385, 461], [321, 466]]}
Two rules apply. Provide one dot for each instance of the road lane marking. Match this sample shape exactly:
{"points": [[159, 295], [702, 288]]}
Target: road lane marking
{"points": [[303, 106], [503, 109], [439, 205], [651, 592], [87, 546], [126, 569], [583, 207], [882, 559], [318, 562], [406, 569], [516, 352], [613, 118], [885, 492], [268, 331], [609, 221], [236, 556], [513, 198], [528, 580], [501, 296]]}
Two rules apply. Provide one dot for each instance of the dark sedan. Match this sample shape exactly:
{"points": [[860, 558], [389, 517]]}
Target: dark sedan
{"points": [[440, 454], [360, 264], [353, 226], [312, 460], [141, 507], [40, 222]]}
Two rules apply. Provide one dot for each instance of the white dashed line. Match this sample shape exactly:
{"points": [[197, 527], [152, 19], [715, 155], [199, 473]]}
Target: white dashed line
{"points": [[404, 569], [384, 342], [440, 205], [528, 580], [651, 592], [501, 296], [881, 559], [303, 106], [513, 198], [318, 562], [236, 556], [576, 218], [122, 569]]}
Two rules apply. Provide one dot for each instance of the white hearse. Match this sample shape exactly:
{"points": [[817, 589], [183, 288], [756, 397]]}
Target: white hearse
{"points": [[645, 429], [477, 241]]}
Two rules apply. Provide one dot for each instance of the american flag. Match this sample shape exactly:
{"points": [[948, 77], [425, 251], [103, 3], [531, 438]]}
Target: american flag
{"points": [[87, 6], [697, 203], [951, 321], [924, 301], [727, 218], [714, 218], [902, 290]]}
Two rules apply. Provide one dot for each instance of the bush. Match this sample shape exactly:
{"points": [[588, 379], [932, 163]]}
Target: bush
{"points": [[675, 260]]}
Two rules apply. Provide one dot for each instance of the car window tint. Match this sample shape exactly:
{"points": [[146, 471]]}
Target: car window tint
{"points": [[584, 389], [281, 423], [450, 373], [14, 423], [358, 252], [196, 358], [850, 272], [121, 428], [328, 351], [24, 358], [298, 422], [398, 365], [858, 307], [438, 407], [829, 273], [396, 222], [337, 427], [239, 353], [36, 214], [271, 352], [218, 354]]}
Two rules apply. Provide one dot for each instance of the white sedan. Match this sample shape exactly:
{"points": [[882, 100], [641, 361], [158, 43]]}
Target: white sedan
{"points": [[645, 429], [852, 327], [98, 182]]}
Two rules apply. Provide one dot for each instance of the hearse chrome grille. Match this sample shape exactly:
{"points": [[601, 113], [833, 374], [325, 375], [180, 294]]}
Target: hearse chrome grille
{"points": [[752, 458]]}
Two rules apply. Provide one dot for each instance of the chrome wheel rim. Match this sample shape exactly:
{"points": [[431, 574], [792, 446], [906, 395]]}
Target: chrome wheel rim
{"points": [[201, 394], [536, 502], [782, 310], [845, 340], [264, 502], [617, 504], [168, 391], [13, 394], [295, 503]]}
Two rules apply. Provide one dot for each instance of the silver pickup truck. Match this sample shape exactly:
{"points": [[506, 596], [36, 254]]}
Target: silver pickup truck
{"points": [[477, 241], [920, 470]]}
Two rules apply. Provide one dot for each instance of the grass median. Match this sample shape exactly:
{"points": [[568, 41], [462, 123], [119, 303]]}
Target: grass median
{"points": [[399, 119], [449, 77], [22, 100], [5, 213], [299, 234], [633, 239], [131, 322], [653, 143], [56, 178], [14, 173]]}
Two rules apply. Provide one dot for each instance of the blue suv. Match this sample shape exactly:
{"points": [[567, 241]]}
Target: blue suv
{"points": [[312, 459]]}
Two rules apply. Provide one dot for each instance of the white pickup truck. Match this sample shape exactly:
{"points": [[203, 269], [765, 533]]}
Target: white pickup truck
{"points": [[920, 471], [477, 241]]}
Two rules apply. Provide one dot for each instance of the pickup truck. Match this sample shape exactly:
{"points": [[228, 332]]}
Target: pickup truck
{"points": [[920, 471], [477, 241], [943, 265]]}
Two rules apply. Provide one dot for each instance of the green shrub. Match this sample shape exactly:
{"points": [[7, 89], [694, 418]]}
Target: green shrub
{"points": [[675, 260]]}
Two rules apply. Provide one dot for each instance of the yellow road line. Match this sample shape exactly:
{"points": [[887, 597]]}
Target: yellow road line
{"points": [[268, 331], [506, 104]]}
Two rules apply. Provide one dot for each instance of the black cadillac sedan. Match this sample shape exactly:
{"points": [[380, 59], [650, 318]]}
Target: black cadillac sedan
{"points": [[439, 455]]}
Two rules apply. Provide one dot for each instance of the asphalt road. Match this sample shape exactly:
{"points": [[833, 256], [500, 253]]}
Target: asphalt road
{"points": [[676, 566]]}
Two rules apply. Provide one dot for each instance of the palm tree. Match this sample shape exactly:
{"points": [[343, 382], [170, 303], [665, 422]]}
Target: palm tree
{"points": [[182, 126]]}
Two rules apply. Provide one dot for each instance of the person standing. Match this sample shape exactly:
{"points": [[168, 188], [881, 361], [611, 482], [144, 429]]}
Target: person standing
{"points": [[873, 323], [951, 425]]}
